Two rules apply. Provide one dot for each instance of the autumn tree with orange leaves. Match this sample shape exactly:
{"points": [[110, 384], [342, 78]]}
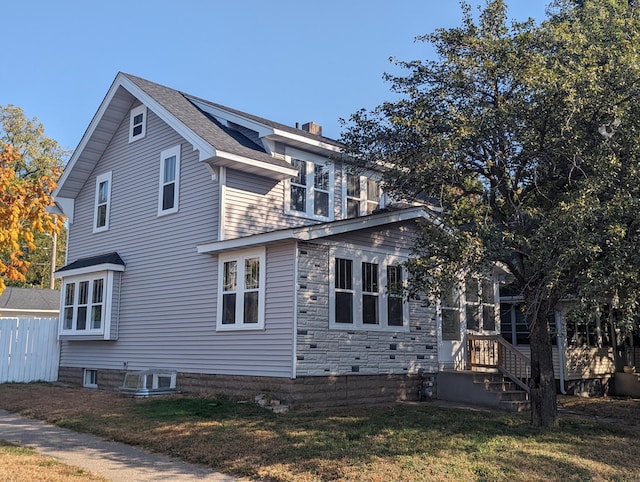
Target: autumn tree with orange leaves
{"points": [[26, 186]]}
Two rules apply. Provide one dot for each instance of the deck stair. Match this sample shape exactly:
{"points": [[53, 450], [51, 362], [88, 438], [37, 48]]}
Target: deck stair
{"points": [[506, 393], [498, 376], [482, 387]]}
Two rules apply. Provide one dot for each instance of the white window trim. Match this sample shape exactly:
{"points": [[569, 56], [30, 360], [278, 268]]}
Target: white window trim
{"points": [[311, 160], [106, 177], [358, 258], [88, 374], [141, 109], [239, 257], [107, 297], [479, 305], [173, 151], [362, 199]]}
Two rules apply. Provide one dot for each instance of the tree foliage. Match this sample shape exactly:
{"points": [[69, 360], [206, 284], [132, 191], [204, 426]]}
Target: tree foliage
{"points": [[527, 136], [30, 163]]}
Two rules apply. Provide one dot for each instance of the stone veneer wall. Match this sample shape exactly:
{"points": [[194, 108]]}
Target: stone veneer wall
{"points": [[305, 392], [322, 352]]}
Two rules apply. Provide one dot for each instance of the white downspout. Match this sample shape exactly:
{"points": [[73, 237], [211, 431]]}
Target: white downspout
{"points": [[560, 342]]}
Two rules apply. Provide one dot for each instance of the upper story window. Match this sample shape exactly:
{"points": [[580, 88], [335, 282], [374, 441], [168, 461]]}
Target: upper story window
{"points": [[361, 195], [311, 192], [137, 123], [367, 292], [169, 190], [241, 290], [102, 204]]}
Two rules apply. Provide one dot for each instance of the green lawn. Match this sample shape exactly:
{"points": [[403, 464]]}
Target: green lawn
{"points": [[401, 442]]}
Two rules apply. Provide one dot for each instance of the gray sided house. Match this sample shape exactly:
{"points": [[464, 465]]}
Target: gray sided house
{"points": [[236, 255]]}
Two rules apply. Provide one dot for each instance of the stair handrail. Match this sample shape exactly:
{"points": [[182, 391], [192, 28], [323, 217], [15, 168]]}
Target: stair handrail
{"points": [[510, 361]]}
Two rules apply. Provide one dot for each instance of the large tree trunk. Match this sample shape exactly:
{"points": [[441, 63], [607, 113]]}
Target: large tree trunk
{"points": [[543, 384]]}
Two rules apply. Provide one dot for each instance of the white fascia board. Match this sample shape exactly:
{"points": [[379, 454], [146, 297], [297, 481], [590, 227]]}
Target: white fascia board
{"points": [[206, 150], [66, 206], [309, 233], [88, 270], [354, 224], [288, 172], [306, 140], [262, 129], [246, 241], [88, 133]]}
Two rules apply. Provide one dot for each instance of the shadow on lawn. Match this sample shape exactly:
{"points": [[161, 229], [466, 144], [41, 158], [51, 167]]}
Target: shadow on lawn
{"points": [[401, 442], [340, 443]]}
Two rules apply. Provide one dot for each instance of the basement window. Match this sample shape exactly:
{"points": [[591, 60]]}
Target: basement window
{"points": [[90, 379], [149, 382]]}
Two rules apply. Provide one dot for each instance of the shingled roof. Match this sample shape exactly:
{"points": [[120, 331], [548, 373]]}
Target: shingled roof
{"points": [[15, 299], [106, 259], [183, 110]]}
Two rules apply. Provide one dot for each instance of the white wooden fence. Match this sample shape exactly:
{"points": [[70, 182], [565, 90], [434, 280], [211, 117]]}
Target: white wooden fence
{"points": [[29, 349]]}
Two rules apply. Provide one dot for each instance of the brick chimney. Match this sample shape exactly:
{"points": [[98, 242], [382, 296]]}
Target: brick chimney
{"points": [[312, 128]]}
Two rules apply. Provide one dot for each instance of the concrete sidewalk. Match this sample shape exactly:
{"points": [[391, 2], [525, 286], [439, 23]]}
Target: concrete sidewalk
{"points": [[117, 462]]}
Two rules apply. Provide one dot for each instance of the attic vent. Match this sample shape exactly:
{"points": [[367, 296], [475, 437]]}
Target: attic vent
{"points": [[149, 382], [312, 128]]}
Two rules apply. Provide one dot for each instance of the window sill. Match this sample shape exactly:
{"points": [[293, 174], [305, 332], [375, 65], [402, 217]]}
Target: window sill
{"points": [[361, 328], [300, 214], [224, 328], [66, 336]]}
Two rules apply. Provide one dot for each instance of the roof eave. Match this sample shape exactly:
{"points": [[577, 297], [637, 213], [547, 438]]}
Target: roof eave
{"points": [[317, 231], [253, 166]]}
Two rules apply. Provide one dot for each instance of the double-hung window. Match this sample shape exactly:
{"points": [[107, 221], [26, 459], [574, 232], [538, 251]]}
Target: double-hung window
{"points": [[241, 291], [102, 204], [362, 195], [366, 292], [169, 189], [310, 192], [137, 123]]}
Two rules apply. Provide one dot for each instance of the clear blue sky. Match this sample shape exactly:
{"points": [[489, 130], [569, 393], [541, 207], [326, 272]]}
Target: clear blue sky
{"points": [[289, 61]]}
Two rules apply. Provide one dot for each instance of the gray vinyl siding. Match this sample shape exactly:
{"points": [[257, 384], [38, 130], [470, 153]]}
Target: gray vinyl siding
{"points": [[167, 296], [254, 205], [393, 239]]}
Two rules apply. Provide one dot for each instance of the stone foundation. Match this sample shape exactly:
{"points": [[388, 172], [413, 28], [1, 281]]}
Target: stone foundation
{"points": [[304, 392]]}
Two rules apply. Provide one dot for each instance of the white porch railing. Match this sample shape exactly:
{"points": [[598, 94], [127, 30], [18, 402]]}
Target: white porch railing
{"points": [[493, 351]]}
